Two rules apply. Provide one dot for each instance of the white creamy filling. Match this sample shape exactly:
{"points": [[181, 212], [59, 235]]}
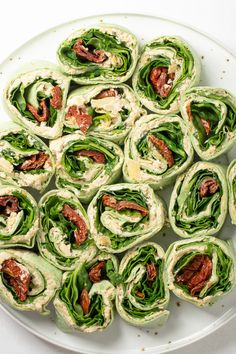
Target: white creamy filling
{"points": [[114, 221], [11, 223]]}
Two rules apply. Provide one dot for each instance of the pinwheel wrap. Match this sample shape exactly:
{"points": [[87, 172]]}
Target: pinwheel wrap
{"points": [[167, 68], [99, 54], [36, 100], [143, 295], [64, 238], [84, 302], [27, 281], [25, 159], [86, 163], [104, 111], [201, 270], [124, 215], [198, 202], [210, 114], [231, 179], [19, 219], [157, 149]]}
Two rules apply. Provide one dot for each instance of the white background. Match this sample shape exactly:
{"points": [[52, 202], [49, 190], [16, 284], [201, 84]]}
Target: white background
{"points": [[22, 19]]}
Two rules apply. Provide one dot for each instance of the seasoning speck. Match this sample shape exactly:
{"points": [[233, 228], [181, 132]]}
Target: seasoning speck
{"points": [[227, 59], [222, 305], [164, 234], [142, 349], [101, 20], [223, 71], [156, 333], [169, 342], [178, 303], [221, 78], [138, 335], [147, 331], [202, 57]]}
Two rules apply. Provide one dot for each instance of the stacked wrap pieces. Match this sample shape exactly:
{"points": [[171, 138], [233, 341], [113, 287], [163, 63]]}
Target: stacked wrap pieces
{"points": [[210, 114], [25, 159], [27, 281], [86, 163], [143, 295], [198, 202], [19, 220], [123, 215], [104, 111], [157, 149], [84, 301], [201, 270], [64, 238], [36, 100], [99, 54], [166, 69]]}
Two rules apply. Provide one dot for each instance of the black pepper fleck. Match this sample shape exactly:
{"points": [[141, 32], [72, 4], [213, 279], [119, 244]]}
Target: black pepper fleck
{"points": [[178, 303]]}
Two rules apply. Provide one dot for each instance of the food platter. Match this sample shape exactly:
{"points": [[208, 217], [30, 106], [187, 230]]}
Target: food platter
{"points": [[218, 69]]}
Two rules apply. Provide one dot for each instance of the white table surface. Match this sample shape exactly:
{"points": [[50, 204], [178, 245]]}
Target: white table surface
{"points": [[21, 20]]}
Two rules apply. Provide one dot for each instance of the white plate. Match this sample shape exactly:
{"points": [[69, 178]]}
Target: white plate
{"points": [[186, 323]]}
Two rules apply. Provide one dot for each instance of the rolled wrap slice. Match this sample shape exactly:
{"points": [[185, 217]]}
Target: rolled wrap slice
{"points": [[201, 270], [157, 149], [25, 159], [99, 54], [84, 302], [231, 179], [19, 219], [104, 111], [143, 295], [64, 238], [198, 202], [210, 114], [36, 100], [124, 215], [167, 68], [86, 163], [27, 281]]}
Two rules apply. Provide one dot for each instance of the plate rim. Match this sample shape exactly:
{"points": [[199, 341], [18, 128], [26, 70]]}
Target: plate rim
{"points": [[230, 314]]}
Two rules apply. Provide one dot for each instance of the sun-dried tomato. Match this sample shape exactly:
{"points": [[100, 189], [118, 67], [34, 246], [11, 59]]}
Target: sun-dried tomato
{"points": [[97, 156], [106, 93], [43, 117], [161, 81], [18, 277], [33, 162], [81, 233], [8, 205], [95, 272], [111, 202], [163, 149], [97, 56], [83, 120], [56, 100], [84, 301], [195, 274], [208, 187]]}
